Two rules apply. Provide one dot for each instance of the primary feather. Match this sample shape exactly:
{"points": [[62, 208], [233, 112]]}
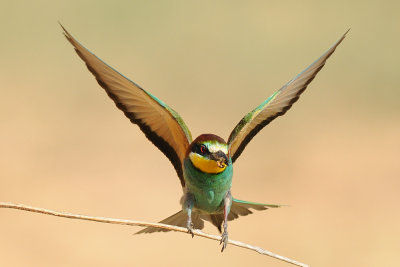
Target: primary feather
{"points": [[162, 125], [276, 105]]}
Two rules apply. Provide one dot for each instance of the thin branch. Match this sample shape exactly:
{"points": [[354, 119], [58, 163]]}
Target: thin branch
{"points": [[146, 224]]}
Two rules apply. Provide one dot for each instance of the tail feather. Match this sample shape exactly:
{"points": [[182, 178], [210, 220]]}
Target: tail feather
{"points": [[238, 208], [216, 219], [254, 205], [178, 219], [242, 208]]}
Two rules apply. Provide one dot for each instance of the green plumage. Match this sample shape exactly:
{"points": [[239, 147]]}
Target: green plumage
{"points": [[206, 193], [208, 189]]}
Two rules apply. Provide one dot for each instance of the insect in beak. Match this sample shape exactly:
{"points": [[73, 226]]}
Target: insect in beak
{"points": [[221, 163]]}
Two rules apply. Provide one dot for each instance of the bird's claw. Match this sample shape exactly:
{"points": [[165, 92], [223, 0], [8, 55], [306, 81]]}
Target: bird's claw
{"points": [[224, 240], [190, 228], [190, 231]]}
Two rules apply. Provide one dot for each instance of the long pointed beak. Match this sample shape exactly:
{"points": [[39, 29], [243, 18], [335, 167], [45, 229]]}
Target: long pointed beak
{"points": [[221, 158]]}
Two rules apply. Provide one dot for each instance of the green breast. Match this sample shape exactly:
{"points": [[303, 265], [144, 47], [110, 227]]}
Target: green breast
{"points": [[208, 189]]}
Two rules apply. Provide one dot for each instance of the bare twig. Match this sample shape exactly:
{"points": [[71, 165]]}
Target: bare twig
{"points": [[146, 224]]}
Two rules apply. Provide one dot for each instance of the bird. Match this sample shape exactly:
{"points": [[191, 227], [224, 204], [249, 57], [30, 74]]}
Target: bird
{"points": [[204, 165]]}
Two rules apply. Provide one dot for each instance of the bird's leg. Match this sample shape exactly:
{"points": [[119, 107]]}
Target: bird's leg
{"points": [[189, 224], [227, 208], [188, 206]]}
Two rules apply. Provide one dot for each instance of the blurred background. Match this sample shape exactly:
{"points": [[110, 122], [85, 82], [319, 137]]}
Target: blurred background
{"points": [[333, 158]]}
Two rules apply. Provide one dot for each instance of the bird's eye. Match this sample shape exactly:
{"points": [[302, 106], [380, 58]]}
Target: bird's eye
{"points": [[203, 149]]}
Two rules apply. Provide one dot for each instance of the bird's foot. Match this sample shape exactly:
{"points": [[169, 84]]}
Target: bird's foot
{"points": [[190, 228], [224, 240]]}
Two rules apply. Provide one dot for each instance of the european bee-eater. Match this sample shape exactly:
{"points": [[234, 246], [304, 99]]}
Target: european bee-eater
{"points": [[204, 166]]}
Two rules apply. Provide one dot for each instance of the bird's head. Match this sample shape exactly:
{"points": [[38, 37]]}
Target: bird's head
{"points": [[209, 153]]}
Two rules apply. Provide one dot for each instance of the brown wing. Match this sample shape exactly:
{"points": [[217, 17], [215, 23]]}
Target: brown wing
{"points": [[161, 124], [276, 105]]}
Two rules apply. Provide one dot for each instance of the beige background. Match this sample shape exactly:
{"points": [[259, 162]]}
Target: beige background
{"points": [[334, 158]]}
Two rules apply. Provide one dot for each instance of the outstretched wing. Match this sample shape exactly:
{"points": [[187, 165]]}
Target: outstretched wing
{"points": [[161, 124], [276, 105]]}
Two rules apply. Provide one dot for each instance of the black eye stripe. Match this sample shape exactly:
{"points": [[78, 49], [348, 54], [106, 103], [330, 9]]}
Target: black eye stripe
{"points": [[200, 149]]}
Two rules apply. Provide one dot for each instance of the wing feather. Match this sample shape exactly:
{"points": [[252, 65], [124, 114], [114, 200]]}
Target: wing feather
{"points": [[162, 125], [276, 105]]}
